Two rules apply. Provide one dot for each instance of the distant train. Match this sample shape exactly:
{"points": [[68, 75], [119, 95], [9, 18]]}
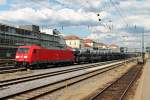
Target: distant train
{"points": [[36, 56]]}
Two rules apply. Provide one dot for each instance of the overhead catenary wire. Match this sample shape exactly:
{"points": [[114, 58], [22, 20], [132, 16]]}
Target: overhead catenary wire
{"points": [[119, 12]]}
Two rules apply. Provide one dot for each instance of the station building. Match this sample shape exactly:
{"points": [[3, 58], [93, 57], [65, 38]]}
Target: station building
{"points": [[74, 41], [95, 45], [90, 43], [114, 48], [12, 37]]}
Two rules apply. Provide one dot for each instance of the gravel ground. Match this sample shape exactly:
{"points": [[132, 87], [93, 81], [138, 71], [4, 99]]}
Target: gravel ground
{"points": [[44, 81], [85, 88], [131, 92], [142, 90]]}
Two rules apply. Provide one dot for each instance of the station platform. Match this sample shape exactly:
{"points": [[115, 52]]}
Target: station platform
{"points": [[143, 88]]}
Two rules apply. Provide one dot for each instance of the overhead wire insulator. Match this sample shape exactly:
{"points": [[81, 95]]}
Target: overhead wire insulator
{"points": [[99, 19], [98, 14]]}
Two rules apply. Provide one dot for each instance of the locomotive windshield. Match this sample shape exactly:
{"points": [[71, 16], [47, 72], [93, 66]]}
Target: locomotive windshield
{"points": [[23, 50]]}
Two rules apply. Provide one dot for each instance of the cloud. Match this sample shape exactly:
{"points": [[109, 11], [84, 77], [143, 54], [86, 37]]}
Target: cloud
{"points": [[50, 16], [2, 2], [119, 17], [87, 5]]}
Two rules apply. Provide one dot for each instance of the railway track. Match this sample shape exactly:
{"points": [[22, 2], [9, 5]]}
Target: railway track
{"points": [[6, 62], [6, 66], [118, 89], [48, 74], [10, 69], [45, 88]]}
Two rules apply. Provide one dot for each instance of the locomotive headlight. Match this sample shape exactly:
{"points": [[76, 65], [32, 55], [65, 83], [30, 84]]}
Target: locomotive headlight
{"points": [[25, 57], [17, 56]]}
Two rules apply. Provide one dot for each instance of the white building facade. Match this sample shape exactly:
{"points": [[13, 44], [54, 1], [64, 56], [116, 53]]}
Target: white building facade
{"points": [[74, 41]]}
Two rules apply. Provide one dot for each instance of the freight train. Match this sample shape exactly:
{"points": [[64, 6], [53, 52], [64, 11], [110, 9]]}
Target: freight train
{"points": [[36, 56]]}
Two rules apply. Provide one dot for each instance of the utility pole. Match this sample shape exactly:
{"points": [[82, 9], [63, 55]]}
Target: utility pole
{"points": [[143, 45]]}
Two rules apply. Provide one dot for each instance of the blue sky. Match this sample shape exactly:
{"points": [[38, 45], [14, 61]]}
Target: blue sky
{"points": [[79, 17]]}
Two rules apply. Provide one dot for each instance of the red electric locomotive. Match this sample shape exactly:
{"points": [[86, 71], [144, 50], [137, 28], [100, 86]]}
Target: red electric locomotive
{"points": [[33, 56]]}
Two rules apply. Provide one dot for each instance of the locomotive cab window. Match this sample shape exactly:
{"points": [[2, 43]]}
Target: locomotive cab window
{"points": [[23, 50]]}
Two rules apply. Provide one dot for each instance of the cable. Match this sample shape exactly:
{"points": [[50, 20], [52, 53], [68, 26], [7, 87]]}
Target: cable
{"points": [[113, 4]]}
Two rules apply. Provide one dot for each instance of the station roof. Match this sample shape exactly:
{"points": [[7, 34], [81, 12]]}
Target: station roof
{"points": [[72, 37], [88, 41], [113, 46], [86, 45]]}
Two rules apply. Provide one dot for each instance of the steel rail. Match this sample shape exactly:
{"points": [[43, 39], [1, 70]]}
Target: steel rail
{"points": [[130, 84], [73, 80], [81, 78], [120, 97], [11, 70], [6, 62], [48, 74], [6, 67]]}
